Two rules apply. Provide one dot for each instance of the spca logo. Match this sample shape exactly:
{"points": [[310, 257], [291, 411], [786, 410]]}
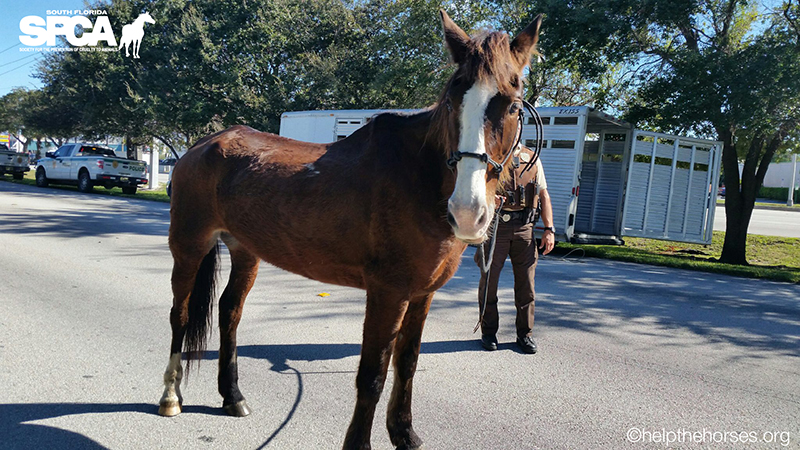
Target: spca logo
{"points": [[38, 31]]}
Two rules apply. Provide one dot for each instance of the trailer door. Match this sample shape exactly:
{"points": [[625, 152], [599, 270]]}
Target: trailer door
{"points": [[671, 190]]}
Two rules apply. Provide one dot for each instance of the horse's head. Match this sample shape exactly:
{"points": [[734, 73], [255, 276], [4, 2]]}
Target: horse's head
{"points": [[146, 18], [479, 112]]}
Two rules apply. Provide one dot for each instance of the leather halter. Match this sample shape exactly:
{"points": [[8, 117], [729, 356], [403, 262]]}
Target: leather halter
{"points": [[498, 167]]}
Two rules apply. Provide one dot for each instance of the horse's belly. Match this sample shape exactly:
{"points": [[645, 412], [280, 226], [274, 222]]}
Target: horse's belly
{"points": [[334, 267]]}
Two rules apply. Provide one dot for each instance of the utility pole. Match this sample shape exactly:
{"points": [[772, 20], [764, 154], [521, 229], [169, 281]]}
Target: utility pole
{"points": [[790, 200]]}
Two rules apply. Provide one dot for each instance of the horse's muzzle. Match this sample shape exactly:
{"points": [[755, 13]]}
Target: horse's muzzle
{"points": [[469, 222]]}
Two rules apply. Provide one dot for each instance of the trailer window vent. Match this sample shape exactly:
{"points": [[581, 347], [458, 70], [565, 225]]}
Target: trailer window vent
{"points": [[683, 165], [545, 121], [610, 157], [590, 157], [531, 143], [641, 159], [665, 141], [644, 138], [593, 137], [615, 137], [563, 144], [663, 161], [340, 137], [355, 122], [700, 167], [565, 121]]}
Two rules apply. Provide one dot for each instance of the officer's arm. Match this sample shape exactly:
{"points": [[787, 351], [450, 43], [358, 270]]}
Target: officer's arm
{"points": [[548, 238]]}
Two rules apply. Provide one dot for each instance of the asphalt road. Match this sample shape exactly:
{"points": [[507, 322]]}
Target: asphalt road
{"points": [[626, 351], [766, 221]]}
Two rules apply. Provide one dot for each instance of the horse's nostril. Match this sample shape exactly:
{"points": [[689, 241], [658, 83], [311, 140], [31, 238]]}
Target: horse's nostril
{"points": [[451, 219], [482, 219]]}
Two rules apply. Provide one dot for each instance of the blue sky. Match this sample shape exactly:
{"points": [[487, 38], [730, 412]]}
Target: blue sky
{"points": [[16, 67]]}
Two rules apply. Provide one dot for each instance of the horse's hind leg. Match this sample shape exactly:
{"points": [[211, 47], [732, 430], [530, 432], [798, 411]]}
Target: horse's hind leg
{"points": [[406, 352], [193, 261], [244, 268], [385, 310]]}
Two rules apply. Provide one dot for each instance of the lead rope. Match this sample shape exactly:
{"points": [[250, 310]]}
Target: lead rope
{"points": [[486, 263]]}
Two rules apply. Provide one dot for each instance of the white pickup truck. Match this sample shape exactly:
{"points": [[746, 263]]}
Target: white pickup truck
{"points": [[13, 162], [89, 165]]}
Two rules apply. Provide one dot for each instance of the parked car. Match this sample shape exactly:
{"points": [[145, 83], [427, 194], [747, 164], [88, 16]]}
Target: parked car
{"points": [[89, 165], [721, 191], [12, 162], [168, 162]]}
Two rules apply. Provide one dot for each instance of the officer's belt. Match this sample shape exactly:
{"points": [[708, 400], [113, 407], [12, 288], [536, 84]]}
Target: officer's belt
{"points": [[508, 216]]}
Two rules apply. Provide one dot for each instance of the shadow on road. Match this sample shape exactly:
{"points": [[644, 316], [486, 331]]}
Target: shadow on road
{"points": [[19, 434], [81, 215]]}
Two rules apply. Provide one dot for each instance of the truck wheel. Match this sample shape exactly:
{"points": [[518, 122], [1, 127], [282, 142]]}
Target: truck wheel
{"points": [[129, 190], [18, 175], [41, 177], [85, 182]]}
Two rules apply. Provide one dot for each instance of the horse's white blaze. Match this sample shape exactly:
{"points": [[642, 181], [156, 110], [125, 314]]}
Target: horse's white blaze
{"points": [[468, 202]]}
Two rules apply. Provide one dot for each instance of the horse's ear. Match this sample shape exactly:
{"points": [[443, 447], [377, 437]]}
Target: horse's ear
{"points": [[525, 42], [457, 40]]}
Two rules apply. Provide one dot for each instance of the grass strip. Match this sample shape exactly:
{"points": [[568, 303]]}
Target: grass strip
{"points": [[770, 257]]}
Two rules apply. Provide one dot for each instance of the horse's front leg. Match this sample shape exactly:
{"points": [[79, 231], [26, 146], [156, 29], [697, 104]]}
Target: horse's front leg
{"points": [[385, 310], [406, 352]]}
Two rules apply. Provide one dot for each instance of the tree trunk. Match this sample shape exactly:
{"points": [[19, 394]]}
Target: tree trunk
{"points": [[734, 249], [737, 221]]}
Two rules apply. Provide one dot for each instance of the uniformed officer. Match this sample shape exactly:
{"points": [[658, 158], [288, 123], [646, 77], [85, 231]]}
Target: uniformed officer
{"points": [[515, 238]]}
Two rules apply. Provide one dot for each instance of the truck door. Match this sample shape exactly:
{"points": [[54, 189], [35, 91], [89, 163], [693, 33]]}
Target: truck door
{"points": [[59, 167], [671, 190]]}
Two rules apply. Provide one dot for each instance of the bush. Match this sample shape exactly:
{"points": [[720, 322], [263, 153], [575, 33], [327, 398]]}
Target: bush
{"points": [[778, 193]]}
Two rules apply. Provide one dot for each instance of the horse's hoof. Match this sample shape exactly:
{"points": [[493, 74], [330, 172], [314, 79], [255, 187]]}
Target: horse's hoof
{"points": [[238, 409], [169, 409]]}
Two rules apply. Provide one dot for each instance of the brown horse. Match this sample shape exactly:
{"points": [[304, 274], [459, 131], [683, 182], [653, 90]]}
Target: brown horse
{"points": [[382, 210]]}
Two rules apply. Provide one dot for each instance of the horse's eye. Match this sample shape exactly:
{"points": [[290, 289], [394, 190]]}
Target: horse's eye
{"points": [[514, 108]]}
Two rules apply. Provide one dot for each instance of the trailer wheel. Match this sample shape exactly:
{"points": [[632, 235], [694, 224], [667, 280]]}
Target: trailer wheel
{"points": [[18, 175], [85, 182], [129, 190], [41, 177]]}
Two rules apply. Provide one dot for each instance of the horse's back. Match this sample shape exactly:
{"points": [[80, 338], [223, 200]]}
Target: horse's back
{"points": [[291, 203]]}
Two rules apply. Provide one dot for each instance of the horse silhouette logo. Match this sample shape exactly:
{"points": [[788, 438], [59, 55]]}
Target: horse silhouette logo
{"points": [[133, 33]]}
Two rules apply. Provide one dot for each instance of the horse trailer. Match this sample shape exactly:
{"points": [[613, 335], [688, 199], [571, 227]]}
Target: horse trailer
{"points": [[606, 179]]}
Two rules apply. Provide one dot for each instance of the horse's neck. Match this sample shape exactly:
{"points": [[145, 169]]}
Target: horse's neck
{"points": [[139, 22], [420, 149], [416, 128]]}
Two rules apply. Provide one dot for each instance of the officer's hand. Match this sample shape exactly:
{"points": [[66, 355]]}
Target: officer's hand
{"points": [[548, 241], [498, 200]]}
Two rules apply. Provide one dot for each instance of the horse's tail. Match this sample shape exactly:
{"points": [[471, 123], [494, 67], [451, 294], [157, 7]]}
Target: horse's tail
{"points": [[201, 303]]}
